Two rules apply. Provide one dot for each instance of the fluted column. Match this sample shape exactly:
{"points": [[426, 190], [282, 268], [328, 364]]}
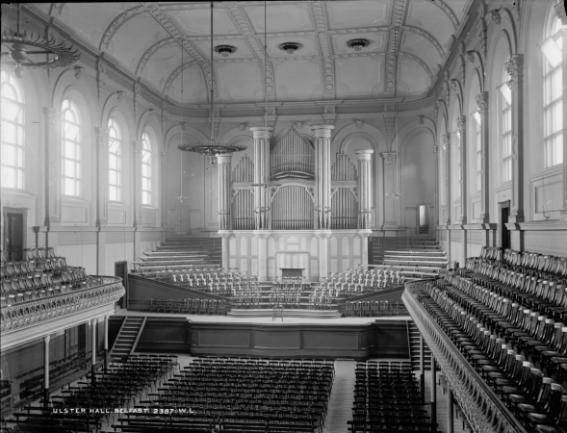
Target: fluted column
{"points": [[224, 193], [436, 199], [391, 196], [261, 136], [482, 103], [364, 158], [514, 67], [322, 135]]}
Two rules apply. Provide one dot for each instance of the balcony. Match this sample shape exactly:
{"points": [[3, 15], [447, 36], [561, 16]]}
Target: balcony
{"points": [[483, 409]]}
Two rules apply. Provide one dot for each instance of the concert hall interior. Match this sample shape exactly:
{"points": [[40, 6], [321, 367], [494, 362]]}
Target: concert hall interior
{"points": [[314, 216]]}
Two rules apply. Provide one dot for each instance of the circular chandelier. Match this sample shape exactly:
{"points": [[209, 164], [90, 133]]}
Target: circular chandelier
{"points": [[28, 50], [212, 148]]}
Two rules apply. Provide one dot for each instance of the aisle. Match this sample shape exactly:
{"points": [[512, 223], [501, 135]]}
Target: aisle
{"points": [[342, 396]]}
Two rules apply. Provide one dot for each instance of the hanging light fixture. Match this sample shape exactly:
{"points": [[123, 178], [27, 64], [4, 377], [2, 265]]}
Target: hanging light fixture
{"points": [[211, 148], [28, 50]]}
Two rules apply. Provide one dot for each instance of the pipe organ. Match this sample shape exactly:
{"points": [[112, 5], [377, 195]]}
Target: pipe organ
{"points": [[287, 200], [344, 201]]}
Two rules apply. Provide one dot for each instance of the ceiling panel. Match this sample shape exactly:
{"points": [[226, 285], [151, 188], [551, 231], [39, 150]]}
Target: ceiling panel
{"points": [[348, 14], [281, 18], [360, 77]]}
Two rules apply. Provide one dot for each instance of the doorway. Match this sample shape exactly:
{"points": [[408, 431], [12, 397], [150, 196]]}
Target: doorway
{"points": [[504, 214], [14, 234], [422, 218]]}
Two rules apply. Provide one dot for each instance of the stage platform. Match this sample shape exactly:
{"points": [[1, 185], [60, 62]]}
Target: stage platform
{"points": [[265, 317]]}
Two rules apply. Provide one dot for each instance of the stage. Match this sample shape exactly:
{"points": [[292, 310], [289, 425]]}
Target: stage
{"points": [[271, 336]]}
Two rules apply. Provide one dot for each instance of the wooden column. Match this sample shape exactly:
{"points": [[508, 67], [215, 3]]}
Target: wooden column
{"points": [[93, 348], [106, 354], [323, 175], [261, 136], [433, 392]]}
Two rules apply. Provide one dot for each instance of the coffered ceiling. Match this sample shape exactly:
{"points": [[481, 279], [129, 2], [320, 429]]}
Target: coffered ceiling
{"points": [[167, 45]]}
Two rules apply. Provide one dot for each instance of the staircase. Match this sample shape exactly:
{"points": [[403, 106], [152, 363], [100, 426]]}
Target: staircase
{"points": [[182, 253], [414, 257], [414, 346], [127, 338]]}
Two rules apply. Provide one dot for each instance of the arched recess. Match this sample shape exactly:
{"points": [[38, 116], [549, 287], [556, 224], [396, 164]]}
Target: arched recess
{"points": [[417, 174], [442, 148], [189, 184], [456, 170], [360, 135]]}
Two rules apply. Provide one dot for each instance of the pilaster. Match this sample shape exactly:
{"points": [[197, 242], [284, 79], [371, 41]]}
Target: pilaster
{"points": [[391, 195]]}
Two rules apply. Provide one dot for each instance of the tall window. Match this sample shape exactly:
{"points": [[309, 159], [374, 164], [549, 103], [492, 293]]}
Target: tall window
{"points": [[147, 167], [552, 49], [71, 149], [505, 132], [12, 144], [114, 161], [477, 143]]}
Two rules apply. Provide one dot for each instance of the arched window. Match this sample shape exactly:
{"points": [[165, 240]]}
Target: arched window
{"points": [[13, 133], [114, 161], [147, 170], [552, 49], [71, 149], [505, 130]]}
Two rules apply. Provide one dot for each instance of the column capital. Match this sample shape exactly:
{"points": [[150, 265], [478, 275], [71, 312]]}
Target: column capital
{"points": [[224, 158], [389, 157], [514, 67], [322, 131], [47, 338], [461, 123], [482, 100], [261, 131], [364, 154]]}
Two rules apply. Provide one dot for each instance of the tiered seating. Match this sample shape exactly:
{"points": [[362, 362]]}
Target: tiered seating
{"points": [[189, 306], [95, 398], [387, 399], [338, 286], [239, 395], [506, 312], [181, 253], [40, 276], [414, 257], [373, 308]]}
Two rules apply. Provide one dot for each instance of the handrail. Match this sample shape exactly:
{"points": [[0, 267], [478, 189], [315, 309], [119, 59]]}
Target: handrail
{"points": [[28, 313], [484, 411]]}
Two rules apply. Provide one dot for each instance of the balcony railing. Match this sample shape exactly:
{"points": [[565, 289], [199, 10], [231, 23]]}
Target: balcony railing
{"points": [[484, 411], [100, 291]]}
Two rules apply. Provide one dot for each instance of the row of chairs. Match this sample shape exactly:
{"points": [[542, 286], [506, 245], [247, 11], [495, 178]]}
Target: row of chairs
{"points": [[387, 399], [536, 400], [530, 262], [189, 306], [94, 396], [529, 332], [239, 395], [373, 308]]}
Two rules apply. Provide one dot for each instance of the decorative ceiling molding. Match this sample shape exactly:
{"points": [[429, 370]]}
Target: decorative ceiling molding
{"points": [[398, 17], [242, 22], [441, 4], [150, 52], [421, 63], [321, 19], [174, 74], [425, 34], [118, 22], [179, 35]]}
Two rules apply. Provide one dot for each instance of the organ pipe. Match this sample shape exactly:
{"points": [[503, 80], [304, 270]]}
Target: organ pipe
{"points": [[224, 184]]}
